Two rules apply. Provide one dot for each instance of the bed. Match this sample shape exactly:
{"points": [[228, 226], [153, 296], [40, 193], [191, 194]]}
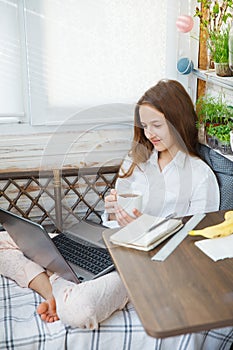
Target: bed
{"points": [[68, 195], [22, 328]]}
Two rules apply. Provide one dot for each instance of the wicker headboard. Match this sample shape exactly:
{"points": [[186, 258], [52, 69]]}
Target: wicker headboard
{"points": [[54, 198]]}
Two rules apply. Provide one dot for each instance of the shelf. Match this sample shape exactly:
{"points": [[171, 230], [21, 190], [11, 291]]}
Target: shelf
{"points": [[210, 76]]}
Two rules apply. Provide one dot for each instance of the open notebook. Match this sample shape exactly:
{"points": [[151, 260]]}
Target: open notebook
{"points": [[135, 235]]}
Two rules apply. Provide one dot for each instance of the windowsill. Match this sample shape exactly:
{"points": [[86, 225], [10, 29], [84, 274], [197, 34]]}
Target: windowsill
{"points": [[210, 76], [26, 129]]}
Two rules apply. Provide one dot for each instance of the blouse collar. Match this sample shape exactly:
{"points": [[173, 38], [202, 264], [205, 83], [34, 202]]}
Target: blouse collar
{"points": [[178, 160]]}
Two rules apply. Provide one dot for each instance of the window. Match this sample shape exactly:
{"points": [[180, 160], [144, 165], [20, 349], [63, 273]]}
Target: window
{"points": [[11, 101], [82, 61]]}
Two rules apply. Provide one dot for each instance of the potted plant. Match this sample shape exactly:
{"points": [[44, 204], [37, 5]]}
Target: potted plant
{"points": [[219, 51], [219, 137], [215, 18], [213, 110], [216, 117], [211, 138]]}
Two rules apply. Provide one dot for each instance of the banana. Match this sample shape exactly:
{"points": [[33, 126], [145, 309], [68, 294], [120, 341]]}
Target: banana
{"points": [[223, 229]]}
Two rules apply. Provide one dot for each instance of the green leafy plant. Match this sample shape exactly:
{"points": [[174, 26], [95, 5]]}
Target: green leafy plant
{"points": [[215, 117], [212, 110], [221, 132], [218, 45]]}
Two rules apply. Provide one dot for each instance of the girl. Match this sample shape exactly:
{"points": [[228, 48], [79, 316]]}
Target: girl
{"points": [[164, 166], [163, 163]]}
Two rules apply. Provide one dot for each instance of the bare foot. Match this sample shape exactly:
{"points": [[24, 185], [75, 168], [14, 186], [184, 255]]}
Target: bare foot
{"points": [[47, 310]]}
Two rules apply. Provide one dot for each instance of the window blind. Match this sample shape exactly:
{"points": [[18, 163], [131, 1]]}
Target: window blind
{"points": [[11, 101], [86, 56]]}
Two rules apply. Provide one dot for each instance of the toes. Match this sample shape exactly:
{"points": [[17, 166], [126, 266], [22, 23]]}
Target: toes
{"points": [[43, 317], [51, 319], [47, 311]]}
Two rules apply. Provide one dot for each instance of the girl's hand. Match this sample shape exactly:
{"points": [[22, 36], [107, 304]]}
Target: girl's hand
{"points": [[123, 218]]}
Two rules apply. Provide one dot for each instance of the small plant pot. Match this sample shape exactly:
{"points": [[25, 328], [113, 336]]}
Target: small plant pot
{"points": [[212, 141], [224, 147], [223, 69]]}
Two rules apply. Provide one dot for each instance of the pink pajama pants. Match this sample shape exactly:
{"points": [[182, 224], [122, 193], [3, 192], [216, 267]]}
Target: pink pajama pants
{"points": [[82, 305], [14, 264]]}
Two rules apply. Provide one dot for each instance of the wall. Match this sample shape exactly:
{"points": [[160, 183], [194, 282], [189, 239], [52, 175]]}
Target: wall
{"points": [[64, 149]]}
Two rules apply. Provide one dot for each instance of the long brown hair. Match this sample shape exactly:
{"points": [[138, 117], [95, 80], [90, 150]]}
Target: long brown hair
{"points": [[170, 98]]}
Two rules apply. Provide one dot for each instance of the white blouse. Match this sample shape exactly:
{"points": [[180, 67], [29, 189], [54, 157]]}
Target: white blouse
{"points": [[186, 186]]}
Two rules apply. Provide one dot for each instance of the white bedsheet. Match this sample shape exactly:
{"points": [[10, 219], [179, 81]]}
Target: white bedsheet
{"points": [[22, 329]]}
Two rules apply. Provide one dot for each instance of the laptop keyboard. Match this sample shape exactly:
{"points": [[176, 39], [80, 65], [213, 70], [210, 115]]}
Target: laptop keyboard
{"points": [[84, 254]]}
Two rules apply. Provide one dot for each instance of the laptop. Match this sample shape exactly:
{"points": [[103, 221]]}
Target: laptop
{"points": [[78, 255]]}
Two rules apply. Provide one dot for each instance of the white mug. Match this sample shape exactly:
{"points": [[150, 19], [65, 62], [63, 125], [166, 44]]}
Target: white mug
{"points": [[128, 201], [231, 139]]}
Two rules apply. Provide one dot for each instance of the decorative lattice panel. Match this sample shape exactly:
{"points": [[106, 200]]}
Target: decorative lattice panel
{"points": [[57, 197]]}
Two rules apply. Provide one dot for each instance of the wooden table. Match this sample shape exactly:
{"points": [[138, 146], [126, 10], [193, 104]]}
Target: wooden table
{"points": [[188, 292]]}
